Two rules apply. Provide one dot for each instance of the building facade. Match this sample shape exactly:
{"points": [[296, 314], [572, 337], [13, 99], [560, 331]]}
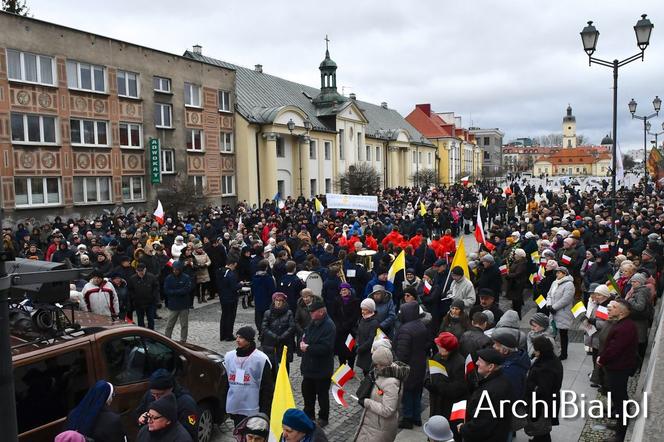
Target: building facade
{"points": [[294, 139], [457, 152], [586, 160], [78, 112], [490, 143]]}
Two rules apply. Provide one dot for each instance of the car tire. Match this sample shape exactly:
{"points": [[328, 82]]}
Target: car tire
{"points": [[205, 423]]}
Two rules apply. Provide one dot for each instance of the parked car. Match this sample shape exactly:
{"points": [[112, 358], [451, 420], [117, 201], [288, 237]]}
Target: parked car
{"points": [[51, 377]]}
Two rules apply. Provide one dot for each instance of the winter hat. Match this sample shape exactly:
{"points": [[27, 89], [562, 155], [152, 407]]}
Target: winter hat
{"points": [[447, 340], [382, 356], [368, 304], [562, 270], [458, 304], [166, 406], [529, 235], [520, 253], [257, 426], [551, 264], [491, 356], [639, 277], [178, 265], [381, 343], [298, 421], [540, 319], [603, 290], [457, 270], [487, 292], [161, 379], [490, 318], [70, 436], [430, 273], [505, 338], [488, 258], [247, 332], [316, 304], [345, 285], [278, 295], [437, 428]]}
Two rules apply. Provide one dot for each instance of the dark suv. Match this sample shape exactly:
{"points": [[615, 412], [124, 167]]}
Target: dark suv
{"points": [[50, 378]]}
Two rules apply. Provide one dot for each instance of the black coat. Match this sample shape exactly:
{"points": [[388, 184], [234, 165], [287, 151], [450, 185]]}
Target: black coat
{"points": [[366, 332], [517, 279], [173, 433], [187, 407], [484, 427], [107, 427], [545, 379], [445, 391], [346, 324], [144, 291], [411, 344], [472, 340], [318, 360], [227, 285], [490, 278], [291, 285], [277, 330]]}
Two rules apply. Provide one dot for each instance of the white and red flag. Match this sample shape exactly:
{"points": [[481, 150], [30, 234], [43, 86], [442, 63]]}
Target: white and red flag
{"points": [[503, 269], [350, 342], [566, 259], [602, 313], [159, 213], [343, 374], [338, 395], [427, 287], [479, 232], [458, 411], [470, 365]]}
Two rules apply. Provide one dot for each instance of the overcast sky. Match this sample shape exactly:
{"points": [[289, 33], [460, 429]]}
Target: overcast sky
{"points": [[512, 64]]}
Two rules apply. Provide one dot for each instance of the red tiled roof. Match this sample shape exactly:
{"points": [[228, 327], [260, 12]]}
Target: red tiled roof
{"points": [[579, 155], [428, 124]]}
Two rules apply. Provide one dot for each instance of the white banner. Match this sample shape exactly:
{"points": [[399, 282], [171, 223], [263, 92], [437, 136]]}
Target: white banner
{"points": [[359, 202]]}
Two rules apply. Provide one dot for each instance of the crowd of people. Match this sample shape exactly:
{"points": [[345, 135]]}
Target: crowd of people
{"points": [[556, 248]]}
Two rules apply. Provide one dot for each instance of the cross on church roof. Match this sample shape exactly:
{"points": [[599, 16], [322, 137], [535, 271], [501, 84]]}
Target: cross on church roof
{"points": [[327, 40]]}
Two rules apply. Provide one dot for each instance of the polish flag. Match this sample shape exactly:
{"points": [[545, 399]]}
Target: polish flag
{"points": [[479, 232], [350, 342], [427, 287], [602, 313], [470, 365], [458, 411], [503, 269], [159, 213], [566, 259], [170, 262], [620, 250], [465, 180], [343, 374], [604, 248], [338, 395]]}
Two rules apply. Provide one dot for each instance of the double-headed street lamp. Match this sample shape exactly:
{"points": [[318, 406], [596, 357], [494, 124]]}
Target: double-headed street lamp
{"points": [[655, 134], [657, 104], [589, 36]]}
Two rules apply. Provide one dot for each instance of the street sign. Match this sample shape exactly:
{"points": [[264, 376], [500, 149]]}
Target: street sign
{"points": [[154, 157]]}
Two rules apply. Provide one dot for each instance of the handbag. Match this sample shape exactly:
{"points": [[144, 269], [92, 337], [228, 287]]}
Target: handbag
{"points": [[539, 427], [366, 385]]}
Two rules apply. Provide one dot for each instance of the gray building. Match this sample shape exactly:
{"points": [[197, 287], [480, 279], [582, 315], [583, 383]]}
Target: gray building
{"points": [[490, 142]]}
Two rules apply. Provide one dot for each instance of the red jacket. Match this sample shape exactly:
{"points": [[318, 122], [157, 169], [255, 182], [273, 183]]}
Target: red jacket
{"points": [[620, 349], [392, 237], [415, 241], [371, 242]]}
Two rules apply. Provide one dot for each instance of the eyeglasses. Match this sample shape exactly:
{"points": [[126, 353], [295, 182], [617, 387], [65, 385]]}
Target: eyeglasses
{"points": [[152, 418]]}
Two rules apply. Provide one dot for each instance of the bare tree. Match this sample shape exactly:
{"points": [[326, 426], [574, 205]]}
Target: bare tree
{"points": [[18, 7], [425, 178], [181, 196], [628, 162], [361, 179]]}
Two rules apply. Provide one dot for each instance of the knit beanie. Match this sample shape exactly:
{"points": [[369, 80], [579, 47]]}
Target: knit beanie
{"points": [[368, 304], [540, 319], [166, 406], [382, 356], [298, 421], [246, 332], [161, 379]]}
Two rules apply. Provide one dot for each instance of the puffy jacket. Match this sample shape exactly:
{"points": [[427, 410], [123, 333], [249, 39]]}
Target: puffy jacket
{"points": [[515, 368], [642, 310], [560, 299], [386, 314], [318, 360], [277, 330], [177, 290], [366, 332], [144, 291], [472, 340], [463, 290], [380, 417], [510, 322], [411, 344], [202, 263]]}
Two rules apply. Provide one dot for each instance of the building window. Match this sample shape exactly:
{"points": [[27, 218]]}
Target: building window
{"points": [[161, 84], [430, 158], [328, 185], [419, 159], [130, 135], [132, 188], [342, 144], [85, 76], [328, 148], [312, 150], [89, 133], [281, 189], [192, 95], [198, 182], [163, 115], [313, 185], [281, 152], [226, 142], [377, 153], [127, 84], [194, 139], [31, 68], [224, 101], [414, 156], [37, 191], [487, 141], [359, 150], [167, 161], [367, 152], [33, 129], [92, 190], [486, 155], [228, 185]]}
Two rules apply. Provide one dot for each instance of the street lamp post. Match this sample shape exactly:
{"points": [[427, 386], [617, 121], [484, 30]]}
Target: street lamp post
{"points": [[655, 134], [589, 36], [657, 104]]}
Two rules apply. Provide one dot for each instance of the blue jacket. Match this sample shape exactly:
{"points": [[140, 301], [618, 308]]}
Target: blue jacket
{"points": [[227, 285], [291, 285], [515, 368], [374, 281], [177, 290], [262, 287]]}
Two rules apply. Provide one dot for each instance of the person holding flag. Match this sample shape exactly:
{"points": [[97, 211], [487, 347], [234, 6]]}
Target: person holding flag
{"points": [[449, 386], [379, 421], [385, 310], [597, 316], [559, 301], [366, 333]]}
